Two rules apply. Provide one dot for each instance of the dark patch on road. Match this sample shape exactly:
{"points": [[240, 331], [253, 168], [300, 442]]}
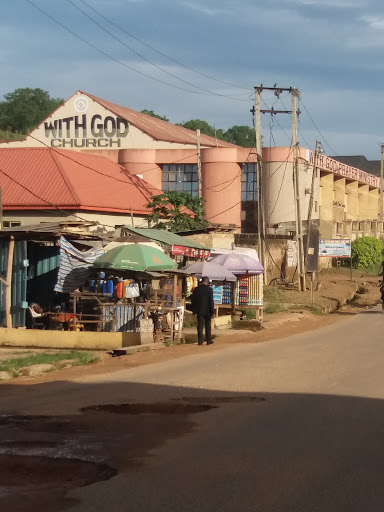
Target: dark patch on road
{"points": [[223, 399], [42, 457], [39, 471], [156, 408]]}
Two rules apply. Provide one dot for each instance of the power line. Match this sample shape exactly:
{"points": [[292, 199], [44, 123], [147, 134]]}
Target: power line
{"points": [[158, 51], [318, 130], [139, 54], [123, 63], [302, 136]]}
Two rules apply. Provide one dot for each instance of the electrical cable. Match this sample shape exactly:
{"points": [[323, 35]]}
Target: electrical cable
{"points": [[158, 51], [318, 130], [302, 136], [106, 54], [139, 54]]}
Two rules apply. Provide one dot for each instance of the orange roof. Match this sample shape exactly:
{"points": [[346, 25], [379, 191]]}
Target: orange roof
{"points": [[157, 128], [44, 178]]}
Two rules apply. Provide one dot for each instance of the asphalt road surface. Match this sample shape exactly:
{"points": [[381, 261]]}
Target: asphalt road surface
{"points": [[296, 424]]}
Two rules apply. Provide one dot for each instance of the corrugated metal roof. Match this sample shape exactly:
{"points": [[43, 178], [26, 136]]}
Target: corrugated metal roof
{"points": [[166, 237], [36, 178], [157, 128]]}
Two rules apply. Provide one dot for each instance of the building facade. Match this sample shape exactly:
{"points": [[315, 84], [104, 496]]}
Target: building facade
{"points": [[165, 157]]}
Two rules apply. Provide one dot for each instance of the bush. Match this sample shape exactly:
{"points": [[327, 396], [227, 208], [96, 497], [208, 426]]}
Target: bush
{"points": [[366, 252]]}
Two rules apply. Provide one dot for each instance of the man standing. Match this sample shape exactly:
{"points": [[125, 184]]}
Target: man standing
{"points": [[202, 306]]}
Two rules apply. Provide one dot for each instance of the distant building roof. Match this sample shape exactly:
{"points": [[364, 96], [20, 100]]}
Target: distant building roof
{"points": [[157, 128], [166, 237], [360, 162], [45, 178]]}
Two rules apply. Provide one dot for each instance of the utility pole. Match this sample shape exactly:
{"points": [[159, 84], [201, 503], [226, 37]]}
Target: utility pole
{"points": [[381, 183], [259, 185], [311, 199], [296, 184], [200, 184]]}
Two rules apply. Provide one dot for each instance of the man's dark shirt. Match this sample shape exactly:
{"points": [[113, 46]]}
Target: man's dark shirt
{"points": [[202, 300]]}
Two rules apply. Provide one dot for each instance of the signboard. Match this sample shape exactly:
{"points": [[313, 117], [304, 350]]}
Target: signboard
{"points": [[84, 129], [336, 248], [217, 294], [329, 164], [292, 253], [178, 250]]}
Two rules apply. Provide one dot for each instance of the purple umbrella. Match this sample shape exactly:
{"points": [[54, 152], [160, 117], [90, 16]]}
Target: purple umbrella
{"points": [[211, 270], [239, 263]]}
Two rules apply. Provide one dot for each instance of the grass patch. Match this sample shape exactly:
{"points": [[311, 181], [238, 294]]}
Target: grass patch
{"points": [[80, 359], [250, 314], [273, 307], [272, 294], [315, 309]]}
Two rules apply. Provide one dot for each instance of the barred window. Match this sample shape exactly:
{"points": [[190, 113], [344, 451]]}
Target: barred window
{"points": [[248, 182], [180, 178]]}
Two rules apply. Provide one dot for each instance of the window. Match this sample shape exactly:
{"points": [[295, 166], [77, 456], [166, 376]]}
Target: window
{"points": [[248, 182], [180, 178], [11, 223], [315, 206]]}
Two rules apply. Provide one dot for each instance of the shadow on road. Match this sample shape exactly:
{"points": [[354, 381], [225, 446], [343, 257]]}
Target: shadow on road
{"points": [[232, 451]]}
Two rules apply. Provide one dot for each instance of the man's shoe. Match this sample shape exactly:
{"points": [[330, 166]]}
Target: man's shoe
{"points": [[209, 342]]}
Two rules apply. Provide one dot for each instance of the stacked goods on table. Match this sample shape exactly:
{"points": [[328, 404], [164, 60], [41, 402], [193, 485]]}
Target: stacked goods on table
{"points": [[242, 291], [249, 290], [227, 293]]}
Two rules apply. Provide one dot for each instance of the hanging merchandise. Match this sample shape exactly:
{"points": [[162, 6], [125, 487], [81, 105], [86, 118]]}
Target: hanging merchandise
{"points": [[132, 290], [191, 284], [119, 289], [256, 290]]}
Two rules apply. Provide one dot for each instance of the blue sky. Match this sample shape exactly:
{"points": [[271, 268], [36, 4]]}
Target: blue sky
{"points": [[331, 50]]}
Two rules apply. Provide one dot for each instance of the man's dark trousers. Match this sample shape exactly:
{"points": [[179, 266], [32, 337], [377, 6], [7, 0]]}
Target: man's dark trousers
{"points": [[204, 320]]}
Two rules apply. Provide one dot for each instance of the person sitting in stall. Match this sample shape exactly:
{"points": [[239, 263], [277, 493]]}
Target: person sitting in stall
{"points": [[37, 316]]}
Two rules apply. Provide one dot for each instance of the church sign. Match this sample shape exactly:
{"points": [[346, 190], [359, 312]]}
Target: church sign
{"points": [[86, 131]]}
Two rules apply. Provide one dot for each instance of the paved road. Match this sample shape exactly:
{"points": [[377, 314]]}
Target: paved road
{"points": [[315, 444]]}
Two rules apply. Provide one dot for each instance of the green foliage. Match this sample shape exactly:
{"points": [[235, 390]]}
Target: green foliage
{"points": [[366, 252], [250, 314], [6, 135], [273, 307], [204, 127], [315, 309], [24, 109], [80, 359], [168, 212], [241, 136], [152, 114]]}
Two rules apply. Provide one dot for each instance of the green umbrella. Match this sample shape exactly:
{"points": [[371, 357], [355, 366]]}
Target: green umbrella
{"points": [[135, 257]]}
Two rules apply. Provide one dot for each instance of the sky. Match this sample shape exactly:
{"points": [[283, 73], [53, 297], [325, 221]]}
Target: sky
{"points": [[202, 58]]}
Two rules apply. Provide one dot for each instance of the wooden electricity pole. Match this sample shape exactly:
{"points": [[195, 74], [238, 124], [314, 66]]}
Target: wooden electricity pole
{"points": [[259, 184], [381, 183], [310, 205], [200, 184], [296, 184]]}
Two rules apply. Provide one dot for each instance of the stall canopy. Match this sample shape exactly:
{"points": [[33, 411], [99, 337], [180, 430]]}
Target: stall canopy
{"points": [[239, 263], [211, 270], [135, 257]]}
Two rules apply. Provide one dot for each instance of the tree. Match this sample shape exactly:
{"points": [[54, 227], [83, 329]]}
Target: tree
{"points": [[169, 211], [241, 136], [24, 109], [152, 114], [204, 127]]}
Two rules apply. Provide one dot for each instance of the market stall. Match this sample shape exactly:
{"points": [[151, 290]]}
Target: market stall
{"points": [[248, 290]]}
